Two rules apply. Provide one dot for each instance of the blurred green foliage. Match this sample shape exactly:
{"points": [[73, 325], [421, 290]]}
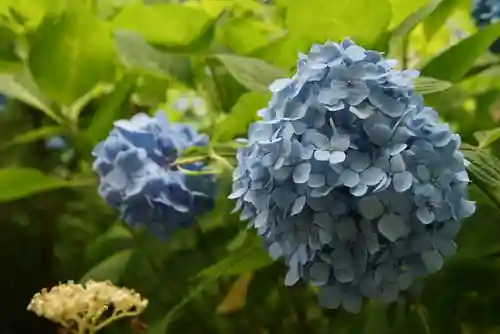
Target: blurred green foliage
{"points": [[70, 68]]}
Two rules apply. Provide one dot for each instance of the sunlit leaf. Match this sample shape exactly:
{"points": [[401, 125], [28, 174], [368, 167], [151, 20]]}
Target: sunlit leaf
{"points": [[320, 20], [71, 53], [254, 74], [454, 63], [115, 238], [401, 9], [243, 113], [166, 23], [139, 57], [439, 16], [20, 85]]}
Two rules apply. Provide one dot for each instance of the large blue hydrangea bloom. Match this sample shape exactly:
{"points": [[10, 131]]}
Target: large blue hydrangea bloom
{"points": [[486, 12], [351, 179], [138, 177]]}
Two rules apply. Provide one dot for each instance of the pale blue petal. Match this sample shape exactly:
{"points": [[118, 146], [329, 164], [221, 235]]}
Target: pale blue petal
{"points": [[392, 227], [402, 181], [371, 207], [302, 172]]}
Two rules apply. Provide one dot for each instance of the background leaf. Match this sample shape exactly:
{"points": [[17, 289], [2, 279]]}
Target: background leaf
{"points": [[254, 74], [17, 183], [68, 58], [112, 268]]}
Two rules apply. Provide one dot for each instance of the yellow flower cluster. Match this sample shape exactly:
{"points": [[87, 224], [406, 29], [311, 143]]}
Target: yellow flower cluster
{"points": [[87, 308]]}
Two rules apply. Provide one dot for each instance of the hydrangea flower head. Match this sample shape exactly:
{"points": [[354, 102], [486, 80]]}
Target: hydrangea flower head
{"points": [[351, 179], [82, 308], [139, 177], [486, 12]]}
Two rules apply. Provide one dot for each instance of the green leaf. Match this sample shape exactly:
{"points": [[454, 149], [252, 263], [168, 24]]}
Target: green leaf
{"points": [[439, 16], [454, 63], [484, 167], [239, 261], [109, 109], [242, 114], [71, 53], [377, 321], [254, 74], [320, 20], [20, 85], [141, 58], [425, 85], [487, 137], [402, 9], [211, 274], [167, 24], [18, 182], [236, 298], [114, 239], [112, 268], [31, 136]]}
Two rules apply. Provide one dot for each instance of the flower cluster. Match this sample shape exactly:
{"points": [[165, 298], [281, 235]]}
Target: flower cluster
{"points": [[351, 178], [486, 12], [76, 306], [139, 175]]}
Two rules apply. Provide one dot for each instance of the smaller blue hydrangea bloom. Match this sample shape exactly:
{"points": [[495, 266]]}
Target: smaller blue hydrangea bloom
{"points": [[351, 179], [485, 13], [139, 178]]}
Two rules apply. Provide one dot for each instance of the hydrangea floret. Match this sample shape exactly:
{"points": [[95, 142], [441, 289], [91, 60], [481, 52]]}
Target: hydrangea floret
{"points": [[351, 179], [139, 175]]}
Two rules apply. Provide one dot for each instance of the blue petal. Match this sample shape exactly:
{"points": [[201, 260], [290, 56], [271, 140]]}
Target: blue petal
{"points": [[425, 215], [397, 163], [402, 181], [355, 52], [372, 176], [322, 155], [339, 143], [359, 190], [292, 276], [330, 296], [320, 272], [337, 157], [433, 260], [349, 178], [298, 205], [302, 172], [379, 133], [392, 226], [370, 207], [316, 180]]}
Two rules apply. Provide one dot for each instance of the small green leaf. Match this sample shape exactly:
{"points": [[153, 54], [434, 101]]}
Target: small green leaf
{"points": [[166, 23], [320, 20], [487, 137], [71, 53], [16, 183], [242, 114], [454, 63], [426, 85], [254, 74], [110, 109], [20, 85], [112, 268], [236, 298], [141, 58]]}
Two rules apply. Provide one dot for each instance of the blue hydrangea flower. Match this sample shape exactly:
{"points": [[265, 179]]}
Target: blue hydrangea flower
{"points": [[486, 12], [139, 178], [351, 179]]}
